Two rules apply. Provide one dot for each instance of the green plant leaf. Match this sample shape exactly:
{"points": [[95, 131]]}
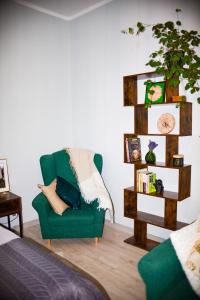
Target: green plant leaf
{"points": [[130, 30], [169, 25], [160, 70], [154, 54], [187, 86], [193, 32], [178, 23], [198, 100], [147, 81], [139, 24], [153, 63]]}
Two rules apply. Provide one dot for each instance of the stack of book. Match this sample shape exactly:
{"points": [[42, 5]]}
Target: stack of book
{"points": [[146, 181], [133, 149]]}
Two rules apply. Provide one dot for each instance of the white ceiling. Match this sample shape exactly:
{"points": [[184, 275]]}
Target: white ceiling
{"points": [[64, 9]]}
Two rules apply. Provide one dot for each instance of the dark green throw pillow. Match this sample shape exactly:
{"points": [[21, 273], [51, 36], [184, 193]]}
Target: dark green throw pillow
{"points": [[68, 193]]}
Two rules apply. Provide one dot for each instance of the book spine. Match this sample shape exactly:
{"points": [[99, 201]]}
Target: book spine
{"points": [[127, 150], [144, 183], [138, 178], [148, 175], [152, 179]]}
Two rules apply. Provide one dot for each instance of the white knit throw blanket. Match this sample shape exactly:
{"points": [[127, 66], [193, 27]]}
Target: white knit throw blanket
{"points": [[186, 242], [89, 179]]}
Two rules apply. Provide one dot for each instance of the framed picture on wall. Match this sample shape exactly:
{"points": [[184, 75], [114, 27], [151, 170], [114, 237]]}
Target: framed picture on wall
{"points": [[155, 92], [4, 181]]}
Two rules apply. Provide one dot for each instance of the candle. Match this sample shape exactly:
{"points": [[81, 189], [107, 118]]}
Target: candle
{"points": [[178, 160]]}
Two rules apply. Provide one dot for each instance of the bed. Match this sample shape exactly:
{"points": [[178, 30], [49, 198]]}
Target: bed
{"points": [[28, 271]]}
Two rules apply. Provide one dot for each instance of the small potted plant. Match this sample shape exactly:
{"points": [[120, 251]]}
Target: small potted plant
{"points": [[176, 58]]}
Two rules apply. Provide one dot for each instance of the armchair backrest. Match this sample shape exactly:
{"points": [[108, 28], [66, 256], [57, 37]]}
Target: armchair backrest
{"points": [[57, 164]]}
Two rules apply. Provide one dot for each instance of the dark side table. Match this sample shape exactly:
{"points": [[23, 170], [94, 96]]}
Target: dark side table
{"points": [[10, 204]]}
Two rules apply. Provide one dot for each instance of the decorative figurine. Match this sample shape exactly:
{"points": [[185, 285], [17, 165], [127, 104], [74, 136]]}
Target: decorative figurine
{"points": [[159, 186]]}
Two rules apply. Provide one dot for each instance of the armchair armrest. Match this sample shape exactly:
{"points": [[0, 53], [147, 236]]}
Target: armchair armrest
{"points": [[99, 218], [41, 204], [43, 208]]}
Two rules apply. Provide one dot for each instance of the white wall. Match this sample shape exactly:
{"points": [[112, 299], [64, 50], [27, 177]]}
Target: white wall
{"points": [[101, 56], [35, 101]]}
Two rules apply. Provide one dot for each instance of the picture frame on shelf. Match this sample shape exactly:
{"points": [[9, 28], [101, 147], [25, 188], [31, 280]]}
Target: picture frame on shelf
{"points": [[155, 92], [4, 179], [133, 149]]}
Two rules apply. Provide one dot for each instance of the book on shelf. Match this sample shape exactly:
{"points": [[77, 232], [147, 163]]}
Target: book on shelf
{"points": [[133, 149], [146, 181]]}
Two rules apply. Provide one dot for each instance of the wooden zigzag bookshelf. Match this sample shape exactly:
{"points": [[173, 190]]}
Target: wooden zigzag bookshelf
{"points": [[141, 219]]}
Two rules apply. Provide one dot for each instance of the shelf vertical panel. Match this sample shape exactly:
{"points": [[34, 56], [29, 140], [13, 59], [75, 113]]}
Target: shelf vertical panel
{"points": [[171, 91], [130, 90], [140, 232], [171, 148], [141, 120], [170, 213], [184, 182], [130, 204], [186, 119]]}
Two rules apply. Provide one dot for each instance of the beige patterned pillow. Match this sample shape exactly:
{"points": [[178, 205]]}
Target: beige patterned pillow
{"points": [[58, 205], [193, 261]]}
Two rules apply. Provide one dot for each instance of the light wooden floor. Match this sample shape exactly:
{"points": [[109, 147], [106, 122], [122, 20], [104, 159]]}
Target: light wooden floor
{"points": [[112, 262]]}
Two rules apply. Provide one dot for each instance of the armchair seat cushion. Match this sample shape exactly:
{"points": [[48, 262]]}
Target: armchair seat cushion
{"points": [[70, 217]]}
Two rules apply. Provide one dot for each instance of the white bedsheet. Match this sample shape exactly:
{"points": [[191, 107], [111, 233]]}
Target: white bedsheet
{"points": [[6, 235]]}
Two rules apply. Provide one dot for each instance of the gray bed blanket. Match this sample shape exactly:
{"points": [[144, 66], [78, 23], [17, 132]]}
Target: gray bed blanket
{"points": [[27, 272]]}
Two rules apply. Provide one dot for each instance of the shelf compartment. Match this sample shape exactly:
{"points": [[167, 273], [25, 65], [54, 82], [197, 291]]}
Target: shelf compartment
{"points": [[156, 221], [184, 184], [165, 194], [130, 86], [185, 120]]}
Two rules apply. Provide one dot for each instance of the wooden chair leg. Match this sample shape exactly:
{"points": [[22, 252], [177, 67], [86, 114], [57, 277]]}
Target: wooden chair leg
{"points": [[96, 240], [49, 243]]}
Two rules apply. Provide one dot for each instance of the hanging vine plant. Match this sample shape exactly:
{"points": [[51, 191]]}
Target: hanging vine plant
{"points": [[177, 58]]}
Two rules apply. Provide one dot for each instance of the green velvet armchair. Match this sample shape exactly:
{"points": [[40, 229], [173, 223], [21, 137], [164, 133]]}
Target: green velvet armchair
{"points": [[163, 275], [86, 222]]}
